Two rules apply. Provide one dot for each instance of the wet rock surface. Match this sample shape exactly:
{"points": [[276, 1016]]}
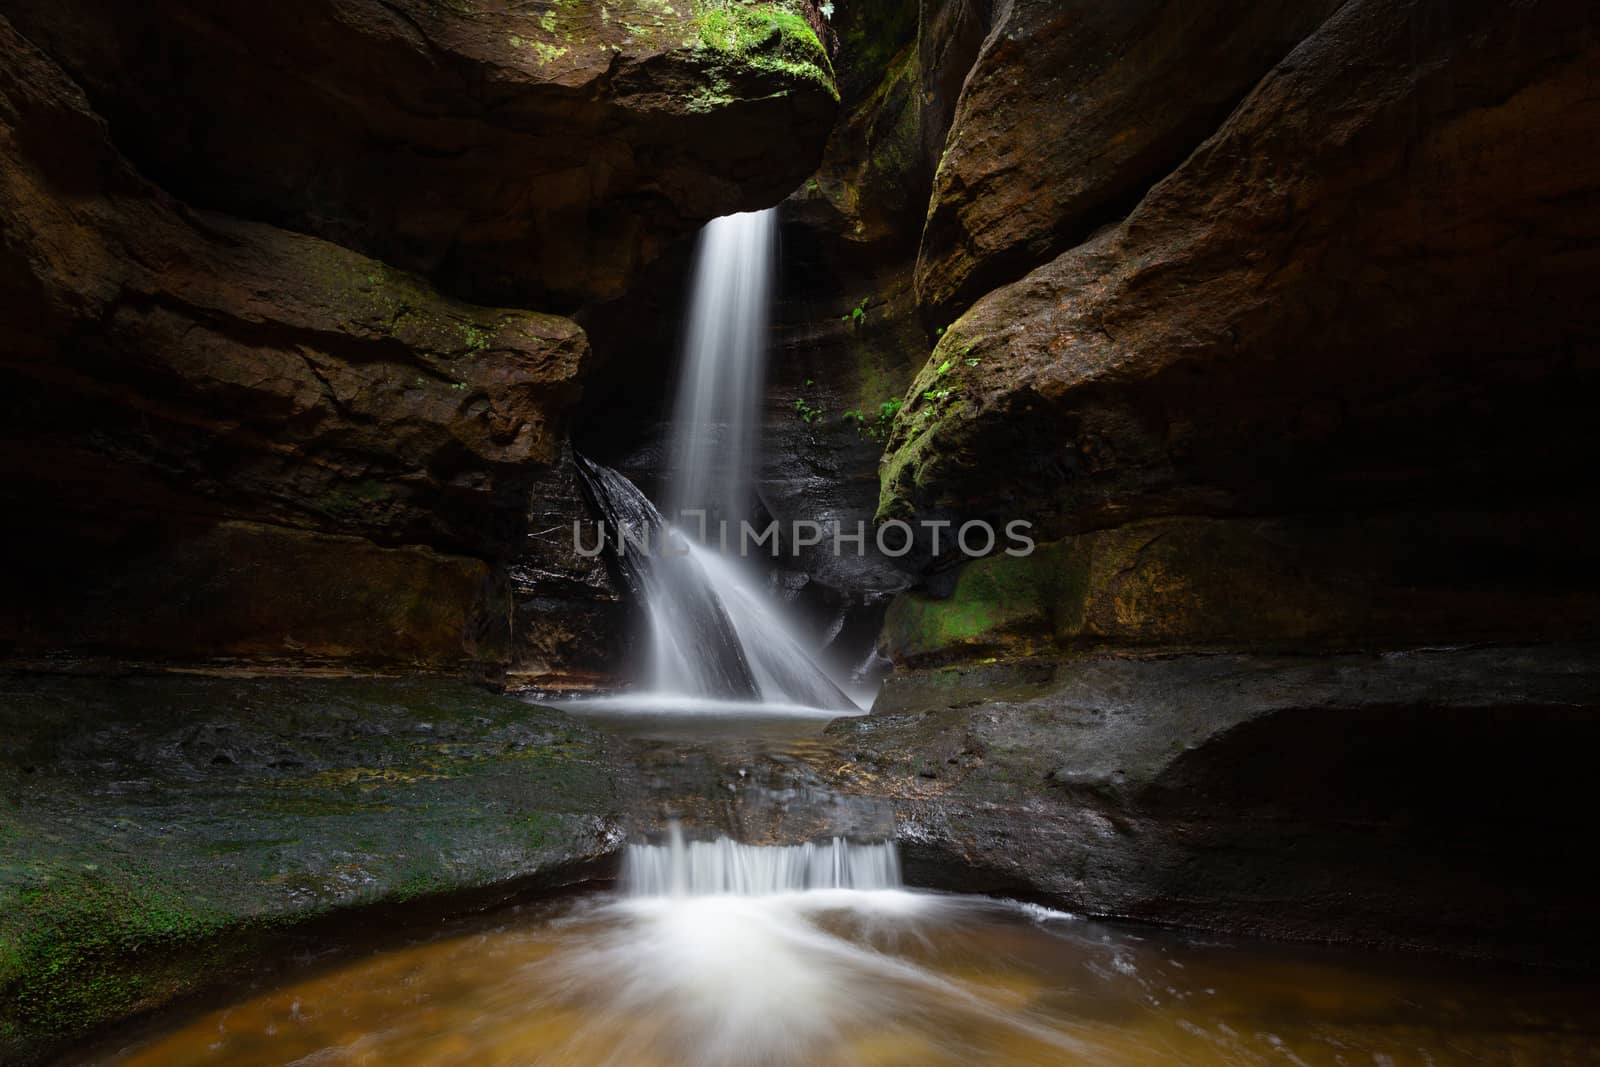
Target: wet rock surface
{"points": [[1421, 799], [159, 835], [760, 780], [569, 623]]}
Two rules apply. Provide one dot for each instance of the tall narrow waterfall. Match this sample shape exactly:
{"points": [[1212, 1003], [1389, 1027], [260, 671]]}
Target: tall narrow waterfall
{"points": [[724, 361], [714, 632]]}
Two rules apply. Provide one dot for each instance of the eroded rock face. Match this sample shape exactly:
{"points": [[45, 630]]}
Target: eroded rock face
{"points": [[901, 68], [1361, 288], [339, 464], [1410, 799], [1070, 112], [533, 155], [1308, 583], [211, 397]]}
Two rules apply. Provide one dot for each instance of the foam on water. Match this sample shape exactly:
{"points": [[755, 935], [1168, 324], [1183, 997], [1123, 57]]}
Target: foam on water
{"points": [[723, 866]]}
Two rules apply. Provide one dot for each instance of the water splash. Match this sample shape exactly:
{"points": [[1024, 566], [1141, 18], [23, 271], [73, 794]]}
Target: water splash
{"points": [[713, 634]]}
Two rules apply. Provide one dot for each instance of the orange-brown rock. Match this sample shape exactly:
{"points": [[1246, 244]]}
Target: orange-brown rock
{"points": [[1371, 285], [173, 377], [1071, 111], [533, 154]]}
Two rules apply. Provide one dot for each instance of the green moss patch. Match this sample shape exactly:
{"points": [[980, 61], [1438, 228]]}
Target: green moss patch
{"points": [[159, 834], [1010, 605], [769, 38]]}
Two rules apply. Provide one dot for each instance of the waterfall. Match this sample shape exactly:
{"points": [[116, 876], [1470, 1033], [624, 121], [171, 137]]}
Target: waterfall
{"points": [[723, 866], [714, 633], [720, 386]]}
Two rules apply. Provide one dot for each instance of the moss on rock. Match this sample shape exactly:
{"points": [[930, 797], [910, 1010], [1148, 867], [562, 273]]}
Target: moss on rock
{"points": [[768, 38], [1187, 582], [158, 835]]}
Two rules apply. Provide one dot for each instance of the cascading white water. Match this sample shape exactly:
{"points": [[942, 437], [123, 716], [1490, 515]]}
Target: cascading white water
{"points": [[714, 633], [723, 866], [719, 389]]}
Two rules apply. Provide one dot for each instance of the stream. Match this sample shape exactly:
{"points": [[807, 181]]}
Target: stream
{"points": [[709, 952]]}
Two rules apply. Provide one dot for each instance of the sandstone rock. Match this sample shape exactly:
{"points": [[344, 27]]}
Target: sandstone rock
{"points": [[1071, 111], [1408, 799], [1365, 287], [256, 593], [166, 371], [533, 155], [1300, 583]]}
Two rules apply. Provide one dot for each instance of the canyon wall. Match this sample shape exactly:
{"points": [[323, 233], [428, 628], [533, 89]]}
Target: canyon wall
{"points": [[1273, 320], [288, 376]]}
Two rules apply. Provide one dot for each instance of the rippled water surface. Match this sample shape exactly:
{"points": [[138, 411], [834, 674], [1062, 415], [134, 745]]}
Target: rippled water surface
{"points": [[880, 978]]}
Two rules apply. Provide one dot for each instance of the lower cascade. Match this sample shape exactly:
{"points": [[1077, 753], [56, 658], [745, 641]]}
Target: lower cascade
{"points": [[713, 633], [725, 867]]}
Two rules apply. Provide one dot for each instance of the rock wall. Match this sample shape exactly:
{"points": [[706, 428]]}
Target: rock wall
{"points": [[1068, 114], [515, 153], [252, 414], [1273, 321], [1419, 800], [1306, 313], [1322, 383]]}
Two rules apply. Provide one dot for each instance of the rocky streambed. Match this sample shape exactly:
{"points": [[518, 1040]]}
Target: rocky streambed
{"points": [[162, 835], [169, 836]]}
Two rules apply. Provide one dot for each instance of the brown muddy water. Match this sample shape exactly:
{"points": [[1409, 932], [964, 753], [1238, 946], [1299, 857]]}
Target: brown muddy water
{"points": [[884, 977]]}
